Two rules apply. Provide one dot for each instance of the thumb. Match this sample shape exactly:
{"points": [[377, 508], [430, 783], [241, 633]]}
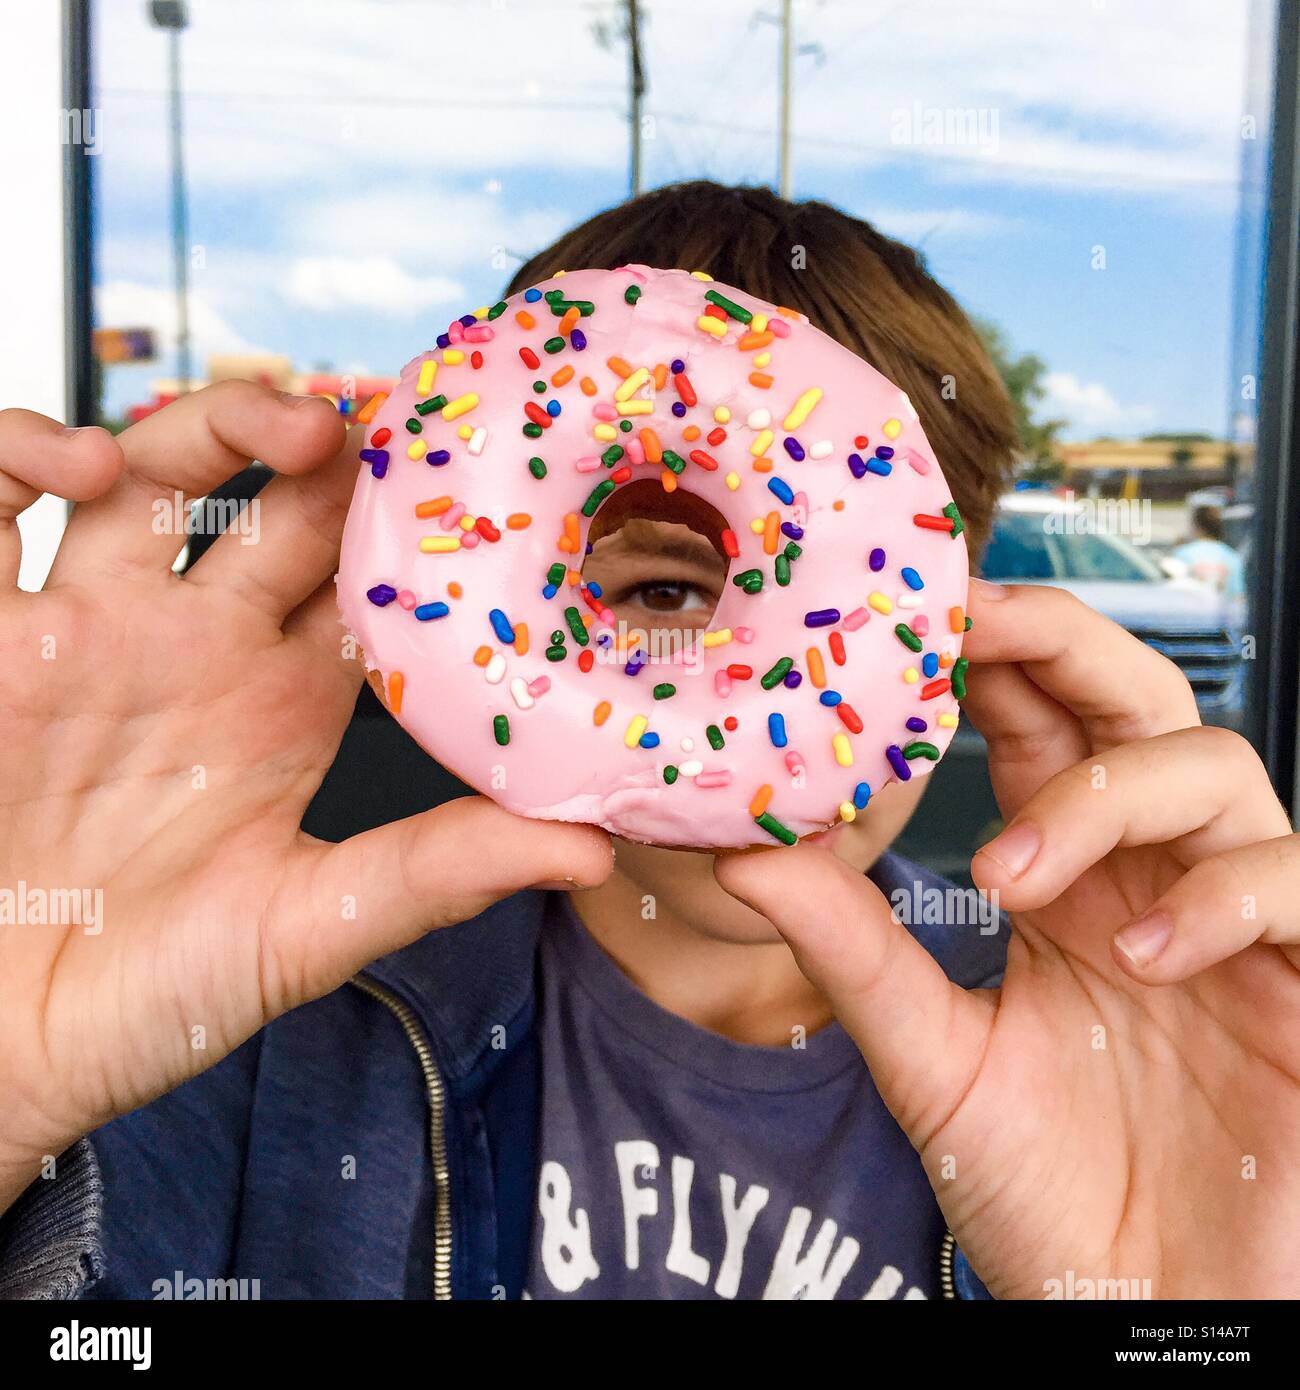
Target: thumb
{"points": [[921, 1035], [405, 879]]}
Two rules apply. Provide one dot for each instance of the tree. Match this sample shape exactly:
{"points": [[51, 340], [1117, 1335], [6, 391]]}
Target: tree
{"points": [[1023, 378]]}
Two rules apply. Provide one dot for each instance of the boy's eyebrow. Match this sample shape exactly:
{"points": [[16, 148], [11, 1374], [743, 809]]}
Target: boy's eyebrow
{"points": [[650, 540]]}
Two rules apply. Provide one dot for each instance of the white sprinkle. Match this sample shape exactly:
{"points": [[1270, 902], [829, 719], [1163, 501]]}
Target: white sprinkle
{"points": [[477, 441], [519, 690], [688, 745], [495, 670], [908, 600], [692, 768], [759, 419], [821, 449]]}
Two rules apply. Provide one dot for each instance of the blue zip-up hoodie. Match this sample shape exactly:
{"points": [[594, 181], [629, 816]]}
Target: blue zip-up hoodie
{"points": [[377, 1143]]}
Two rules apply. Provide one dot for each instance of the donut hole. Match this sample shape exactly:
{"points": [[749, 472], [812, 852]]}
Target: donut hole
{"points": [[658, 558]]}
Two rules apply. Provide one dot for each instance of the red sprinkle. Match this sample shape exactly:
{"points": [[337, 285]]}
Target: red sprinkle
{"points": [[684, 389], [850, 717], [621, 475], [730, 544], [716, 311], [731, 723], [934, 523], [860, 441], [531, 359], [537, 415], [740, 673], [586, 659], [485, 529], [706, 461], [476, 360], [380, 438], [716, 436], [836, 643], [939, 687]]}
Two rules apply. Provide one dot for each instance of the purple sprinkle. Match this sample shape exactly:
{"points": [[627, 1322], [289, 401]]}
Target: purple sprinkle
{"points": [[679, 409], [467, 320], [373, 456], [917, 726], [381, 595], [443, 340], [883, 451], [677, 366], [379, 470], [898, 762], [821, 617], [877, 559], [793, 680], [856, 466], [438, 457], [635, 664], [795, 533], [794, 448], [577, 340]]}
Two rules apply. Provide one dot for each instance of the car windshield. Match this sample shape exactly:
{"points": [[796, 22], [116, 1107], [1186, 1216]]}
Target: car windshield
{"points": [[1023, 547]]}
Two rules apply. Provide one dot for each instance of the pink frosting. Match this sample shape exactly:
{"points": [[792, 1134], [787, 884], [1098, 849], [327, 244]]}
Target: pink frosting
{"points": [[559, 762]]}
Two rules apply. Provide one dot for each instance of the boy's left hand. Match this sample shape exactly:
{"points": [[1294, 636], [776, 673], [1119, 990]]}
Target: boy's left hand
{"points": [[1127, 1105]]}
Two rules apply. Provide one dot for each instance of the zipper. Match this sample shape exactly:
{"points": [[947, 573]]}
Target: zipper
{"points": [[947, 1252], [436, 1095]]}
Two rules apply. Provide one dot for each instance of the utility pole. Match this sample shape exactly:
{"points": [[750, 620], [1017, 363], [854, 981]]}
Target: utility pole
{"points": [[784, 173], [171, 15], [636, 87]]}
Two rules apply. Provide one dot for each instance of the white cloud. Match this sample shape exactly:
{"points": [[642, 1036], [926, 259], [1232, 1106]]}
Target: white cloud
{"points": [[376, 283], [1088, 406], [127, 304]]}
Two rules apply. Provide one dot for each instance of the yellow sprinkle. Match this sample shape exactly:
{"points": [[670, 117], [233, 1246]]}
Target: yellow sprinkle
{"points": [[802, 408], [843, 750], [721, 414], [600, 713], [892, 429], [718, 638], [762, 359], [761, 441], [605, 433], [758, 525], [701, 275], [879, 602], [635, 729], [453, 357], [417, 450], [848, 811], [911, 675], [462, 405], [758, 324], [466, 522], [428, 370], [711, 325], [635, 407], [465, 432], [947, 721], [439, 545], [632, 384], [732, 480]]}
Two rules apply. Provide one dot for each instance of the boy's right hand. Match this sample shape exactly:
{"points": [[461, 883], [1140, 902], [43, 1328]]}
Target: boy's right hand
{"points": [[160, 739]]}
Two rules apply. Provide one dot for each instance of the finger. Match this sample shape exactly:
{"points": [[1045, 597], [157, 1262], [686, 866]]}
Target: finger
{"points": [[189, 447], [1219, 907], [1198, 792], [1120, 689], [920, 1034], [292, 544], [39, 455]]}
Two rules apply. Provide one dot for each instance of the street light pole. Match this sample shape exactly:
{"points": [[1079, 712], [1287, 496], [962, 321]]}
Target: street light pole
{"points": [[171, 15], [784, 174], [636, 82]]}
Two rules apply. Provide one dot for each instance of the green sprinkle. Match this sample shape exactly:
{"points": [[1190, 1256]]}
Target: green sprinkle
{"points": [[533, 431], [777, 674], [920, 749], [749, 580], [734, 310], [554, 345], [555, 653], [501, 729], [959, 677], [674, 461], [968, 626], [792, 552], [598, 495], [625, 426], [664, 692], [632, 294], [776, 829], [670, 774], [907, 637], [555, 575], [782, 570], [539, 387], [557, 637], [497, 310], [537, 468], [574, 620], [414, 425], [612, 455], [429, 406], [552, 295], [561, 306], [958, 525], [714, 735]]}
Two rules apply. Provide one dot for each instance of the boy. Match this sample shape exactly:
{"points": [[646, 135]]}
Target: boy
{"points": [[627, 1078]]}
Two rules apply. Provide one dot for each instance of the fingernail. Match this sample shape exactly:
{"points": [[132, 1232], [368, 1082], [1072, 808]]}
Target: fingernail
{"points": [[1015, 848], [290, 399], [987, 590], [555, 885], [1142, 941]]}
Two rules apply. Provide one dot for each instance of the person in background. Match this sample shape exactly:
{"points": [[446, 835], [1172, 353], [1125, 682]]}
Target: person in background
{"points": [[1209, 557]]}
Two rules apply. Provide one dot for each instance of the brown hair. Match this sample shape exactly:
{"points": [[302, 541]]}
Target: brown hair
{"points": [[871, 294]]}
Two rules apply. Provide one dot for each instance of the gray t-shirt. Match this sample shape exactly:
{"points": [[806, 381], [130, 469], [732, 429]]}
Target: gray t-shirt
{"points": [[675, 1163]]}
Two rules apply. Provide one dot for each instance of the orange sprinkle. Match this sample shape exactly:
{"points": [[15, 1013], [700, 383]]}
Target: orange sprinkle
{"points": [[770, 531], [524, 319], [434, 507], [762, 797], [661, 376], [571, 316], [569, 540], [789, 313], [691, 433], [482, 656], [521, 639], [816, 667], [573, 578], [619, 367], [750, 342], [630, 639], [600, 713], [669, 479], [945, 658], [654, 451], [763, 465], [371, 407], [518, 521], [956, 620], [454, 590], [589, 387], [396, 684], [760, 379], [563, 376], [837, 505]]}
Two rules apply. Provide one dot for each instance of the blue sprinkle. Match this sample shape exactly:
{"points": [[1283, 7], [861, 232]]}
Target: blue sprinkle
{"points": [[781, 489], [930, 664], [917, 726], [877, 559], [532, 296], [911, 578], [553, 408], [578, 340], [830, 697], [776, 730], [381, 595], [861, 795], [679, 409], [879, 467], [649, 740], [501, 626], [549, 591], [594, 589], [438, 458], [794, 448], [856, 466], [425, 611]]}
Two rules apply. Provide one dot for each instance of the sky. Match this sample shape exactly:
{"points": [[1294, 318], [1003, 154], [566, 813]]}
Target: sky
{"points": [[361, 171]]}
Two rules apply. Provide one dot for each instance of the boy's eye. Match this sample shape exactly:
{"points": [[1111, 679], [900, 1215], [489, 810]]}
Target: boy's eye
{"points": [[668, 596]]}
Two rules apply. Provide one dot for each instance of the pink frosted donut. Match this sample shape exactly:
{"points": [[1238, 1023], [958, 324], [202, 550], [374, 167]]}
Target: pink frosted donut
{"points": [[832, 664]]}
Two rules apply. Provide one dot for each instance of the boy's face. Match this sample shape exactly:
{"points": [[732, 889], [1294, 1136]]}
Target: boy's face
{"points": [[661, 569]]}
